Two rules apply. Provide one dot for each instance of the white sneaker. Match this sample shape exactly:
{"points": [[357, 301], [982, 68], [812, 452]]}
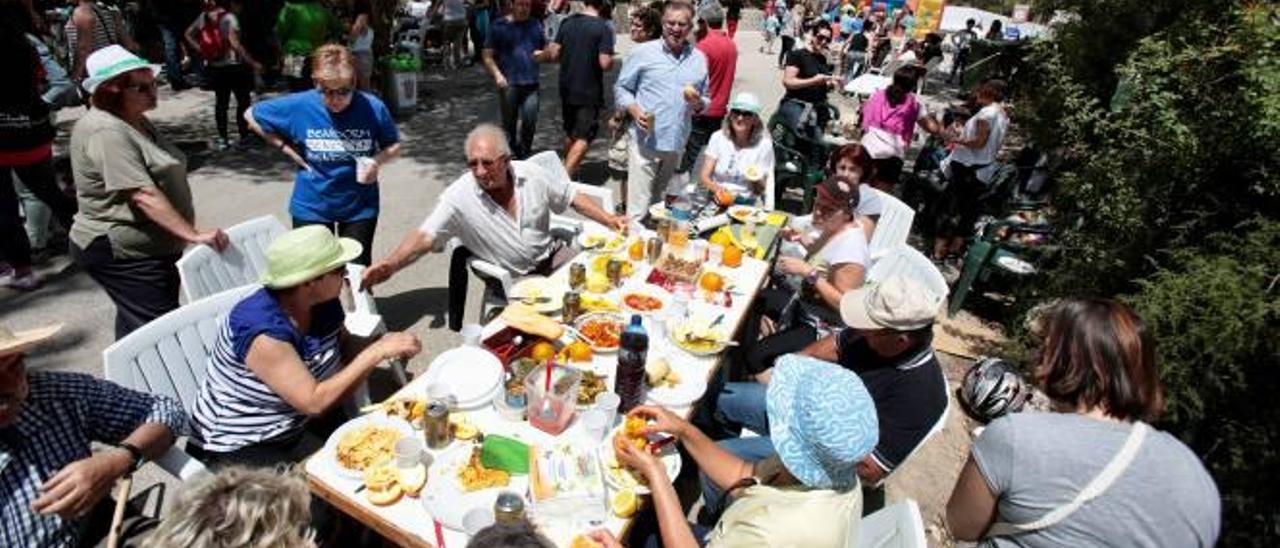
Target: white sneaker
{"points": [[23, 283]]}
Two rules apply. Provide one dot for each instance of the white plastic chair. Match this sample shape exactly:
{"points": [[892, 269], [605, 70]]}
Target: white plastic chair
{"points": [[898, 525], [168, 357], [907, 261], [892, 228], [205, 272]]}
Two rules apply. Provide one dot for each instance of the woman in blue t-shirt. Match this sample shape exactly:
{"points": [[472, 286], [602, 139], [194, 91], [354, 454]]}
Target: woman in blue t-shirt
{"points": [[280, 363], [338, 137]]}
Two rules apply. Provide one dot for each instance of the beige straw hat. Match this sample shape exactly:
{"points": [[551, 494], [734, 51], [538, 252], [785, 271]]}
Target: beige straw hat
{"points": [[18, 342]]}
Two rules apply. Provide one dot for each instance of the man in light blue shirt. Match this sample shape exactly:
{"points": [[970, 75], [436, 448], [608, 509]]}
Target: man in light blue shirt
{"points": [[662, 85]]}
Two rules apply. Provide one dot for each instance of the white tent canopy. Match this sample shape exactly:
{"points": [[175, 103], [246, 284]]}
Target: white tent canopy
{"points": [[953, 18]]}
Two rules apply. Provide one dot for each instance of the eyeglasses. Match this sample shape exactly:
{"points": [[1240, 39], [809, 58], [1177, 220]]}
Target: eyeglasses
{"points": [[145, 87], [488, 164], [335, 92]]}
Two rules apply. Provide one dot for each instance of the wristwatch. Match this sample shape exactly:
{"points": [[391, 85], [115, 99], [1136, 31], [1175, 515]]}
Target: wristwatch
{"points": [[138, 457], [812, 277]]}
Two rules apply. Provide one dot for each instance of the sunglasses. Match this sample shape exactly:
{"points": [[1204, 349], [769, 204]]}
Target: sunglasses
{"points": [[488, 164], [742, 113], [335, 92], [145, 87], [822, 38]]}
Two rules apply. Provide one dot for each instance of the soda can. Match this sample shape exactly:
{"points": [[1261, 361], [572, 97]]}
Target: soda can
{"points": [[436, 425]]}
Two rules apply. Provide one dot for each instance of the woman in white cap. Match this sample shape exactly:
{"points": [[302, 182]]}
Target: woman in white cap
{"points": [[738, 159], [135, 213], [822, 421], [281, 362]]}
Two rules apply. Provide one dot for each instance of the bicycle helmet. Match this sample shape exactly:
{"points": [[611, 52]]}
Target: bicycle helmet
{"points": [[992, 388]]}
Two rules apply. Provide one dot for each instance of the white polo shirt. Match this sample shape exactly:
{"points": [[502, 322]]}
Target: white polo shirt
{"points": [[518, 243]]}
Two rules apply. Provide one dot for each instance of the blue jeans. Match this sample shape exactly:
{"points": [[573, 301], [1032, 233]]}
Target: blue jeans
{"points": [[172, 54], [519, 101], [740, 405]]}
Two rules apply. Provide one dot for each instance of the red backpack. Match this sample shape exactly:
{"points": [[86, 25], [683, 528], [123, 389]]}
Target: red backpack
{"points": [[213, 45]]}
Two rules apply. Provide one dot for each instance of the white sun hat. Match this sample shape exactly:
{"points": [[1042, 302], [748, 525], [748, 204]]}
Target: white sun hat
{"points": [[109, 62]]}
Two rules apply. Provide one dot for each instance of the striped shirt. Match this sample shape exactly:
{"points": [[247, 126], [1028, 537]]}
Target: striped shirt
{"points": [[63, 413], [235, 409], [104, 28]]}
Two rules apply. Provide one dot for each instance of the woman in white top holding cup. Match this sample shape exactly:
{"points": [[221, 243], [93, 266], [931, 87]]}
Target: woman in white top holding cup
{"points": [[737, 164]]}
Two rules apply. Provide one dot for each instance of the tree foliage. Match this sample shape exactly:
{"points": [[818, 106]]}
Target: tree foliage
{"points": [[1165, 119]]}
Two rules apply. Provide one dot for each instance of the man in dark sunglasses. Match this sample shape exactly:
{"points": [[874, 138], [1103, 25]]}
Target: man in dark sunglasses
{"points": [[807, 78], [500, 210]]}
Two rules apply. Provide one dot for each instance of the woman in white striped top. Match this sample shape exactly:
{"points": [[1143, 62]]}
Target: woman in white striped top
{"points": [[280, 364], [103, 26]]}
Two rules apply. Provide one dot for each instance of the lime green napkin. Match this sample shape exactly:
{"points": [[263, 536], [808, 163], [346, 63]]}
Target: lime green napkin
{"points": [[506, 454]]}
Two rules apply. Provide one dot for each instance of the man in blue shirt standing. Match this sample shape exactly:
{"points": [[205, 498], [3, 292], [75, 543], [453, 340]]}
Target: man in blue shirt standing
{"points": [[662, 85], [511, 54]]}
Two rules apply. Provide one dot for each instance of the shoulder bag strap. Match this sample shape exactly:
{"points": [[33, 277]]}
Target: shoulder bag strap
{"points": [[1110, 473]]}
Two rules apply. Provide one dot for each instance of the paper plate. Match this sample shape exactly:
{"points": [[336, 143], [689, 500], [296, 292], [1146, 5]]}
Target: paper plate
{"points": [[582, 321], [539, 287], [742, 214], [444, 497], [659, 211], [597, 241], [621, 478], [473, 374], [647, 290], [692, 385], [330, 450]]}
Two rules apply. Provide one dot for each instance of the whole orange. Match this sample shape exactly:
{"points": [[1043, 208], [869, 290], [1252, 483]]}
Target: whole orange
{"points": [[732, 257], [712, 282]]}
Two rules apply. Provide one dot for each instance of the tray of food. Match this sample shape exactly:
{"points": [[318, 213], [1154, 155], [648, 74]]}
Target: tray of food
{"points": [[672, 270]]}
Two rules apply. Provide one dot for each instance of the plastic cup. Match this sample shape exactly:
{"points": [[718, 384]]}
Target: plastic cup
{"points": [[471, 334], [476, 519], [364, 169], [408, 453], [595, 424], [608, 403]]}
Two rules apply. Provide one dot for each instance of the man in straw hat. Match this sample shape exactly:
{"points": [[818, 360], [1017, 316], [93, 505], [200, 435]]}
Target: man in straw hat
{"points": [[55, 487], [889, 344]]}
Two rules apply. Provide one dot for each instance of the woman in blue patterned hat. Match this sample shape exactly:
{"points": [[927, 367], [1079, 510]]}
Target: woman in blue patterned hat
{"points": [[822, 421]]}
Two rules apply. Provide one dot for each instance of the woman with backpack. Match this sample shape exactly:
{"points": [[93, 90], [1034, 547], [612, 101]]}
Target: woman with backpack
{"points": [[230, 68]]}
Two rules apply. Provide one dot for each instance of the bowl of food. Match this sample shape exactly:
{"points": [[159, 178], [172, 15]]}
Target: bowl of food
{"points": [[700, 336], [602, 330]]}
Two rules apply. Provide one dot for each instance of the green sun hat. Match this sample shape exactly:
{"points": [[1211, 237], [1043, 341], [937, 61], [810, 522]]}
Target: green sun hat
{"points": [[306, 253], [746, 101]]}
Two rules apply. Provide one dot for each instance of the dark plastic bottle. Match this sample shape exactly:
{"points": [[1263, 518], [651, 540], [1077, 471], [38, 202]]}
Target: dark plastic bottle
{"points": [[632, 351]]}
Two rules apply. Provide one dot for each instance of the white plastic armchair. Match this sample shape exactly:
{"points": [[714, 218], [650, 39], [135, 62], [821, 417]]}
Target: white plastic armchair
{"points": [[892, 228], [898, 525], [205, 272], [909, 262], [168, 357]]}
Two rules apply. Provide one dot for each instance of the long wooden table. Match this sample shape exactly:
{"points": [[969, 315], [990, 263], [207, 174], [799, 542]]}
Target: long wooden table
{"points": [[408, 523]]}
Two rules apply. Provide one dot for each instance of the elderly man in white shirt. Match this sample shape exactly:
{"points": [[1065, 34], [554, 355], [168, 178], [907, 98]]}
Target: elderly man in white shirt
{"points": [[500, 209]]}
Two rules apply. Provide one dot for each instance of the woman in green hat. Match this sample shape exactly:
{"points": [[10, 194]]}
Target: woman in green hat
{"points": [[738, 160], [281, 363]]}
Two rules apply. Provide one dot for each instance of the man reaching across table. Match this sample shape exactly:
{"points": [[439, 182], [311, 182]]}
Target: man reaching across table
{"points": [[500, 210]]}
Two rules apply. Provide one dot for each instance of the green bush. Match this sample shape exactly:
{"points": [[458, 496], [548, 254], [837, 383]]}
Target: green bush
{"points": [[1218, 322], [1164, 118]]}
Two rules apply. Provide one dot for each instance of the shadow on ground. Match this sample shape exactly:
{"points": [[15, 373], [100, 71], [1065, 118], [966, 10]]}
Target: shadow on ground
{"points": [[402, 310]]}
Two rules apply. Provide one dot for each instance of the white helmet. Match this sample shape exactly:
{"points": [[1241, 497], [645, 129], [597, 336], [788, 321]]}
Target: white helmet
{"points": [[992, 388]]}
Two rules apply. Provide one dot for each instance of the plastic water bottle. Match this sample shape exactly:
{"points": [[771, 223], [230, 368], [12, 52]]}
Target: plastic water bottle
{"points": [[632, 352]]}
